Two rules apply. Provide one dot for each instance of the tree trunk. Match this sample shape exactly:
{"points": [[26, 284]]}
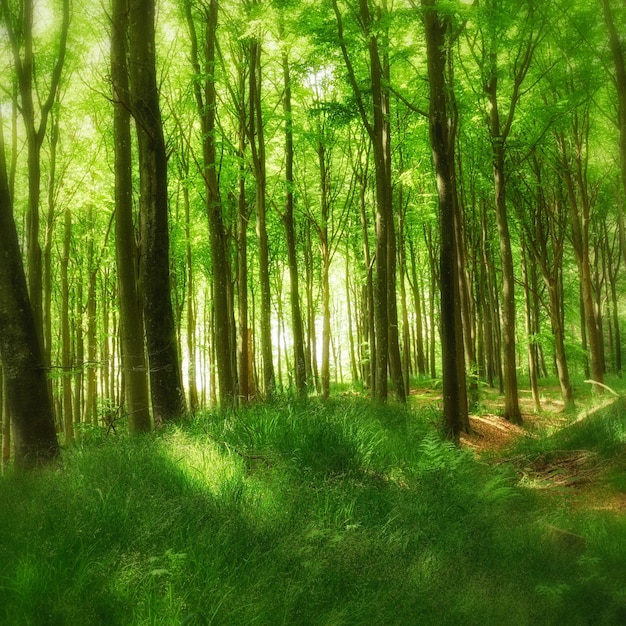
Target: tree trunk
{"points": [[511, 401], [579, 218], [369, 286], [533, 362], [417, 302], [290, 237], [322, 229], [257, 145], [192, 387], [66, 354], [454, 409], [207, 106], [90, 411], [165, 375], [132, 335], [20, 347]]}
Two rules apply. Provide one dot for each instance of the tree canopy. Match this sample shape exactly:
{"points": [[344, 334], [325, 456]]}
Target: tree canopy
{"points": [[221, 202]]}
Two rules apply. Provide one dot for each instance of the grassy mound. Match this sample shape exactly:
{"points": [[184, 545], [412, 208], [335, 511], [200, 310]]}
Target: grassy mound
{"points": [[337, 513]]}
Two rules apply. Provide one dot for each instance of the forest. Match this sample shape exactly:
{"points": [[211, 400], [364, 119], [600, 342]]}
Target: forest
{"points": [[311, 311]]}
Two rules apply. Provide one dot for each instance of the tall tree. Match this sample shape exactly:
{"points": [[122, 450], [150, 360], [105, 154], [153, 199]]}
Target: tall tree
{"points": [[290, 237], [35, 116], [514, 44], [206, 101], [616, 43], [256, 137], [373, 20], [454, 405], [20, 346], [132, 335], [166, 388]]}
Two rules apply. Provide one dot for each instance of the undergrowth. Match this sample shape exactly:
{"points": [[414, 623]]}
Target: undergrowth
{"points": [[336, 513]]}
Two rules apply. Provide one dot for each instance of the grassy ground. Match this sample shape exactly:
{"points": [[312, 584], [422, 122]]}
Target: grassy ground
{"points": [[319, 514]]}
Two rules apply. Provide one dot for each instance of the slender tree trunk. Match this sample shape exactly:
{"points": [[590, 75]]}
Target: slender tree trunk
{"points": [[406, 332], [533, 364], [322, 229], [165, 375], [207, 106], [369, 286], [579, 218], [192, 387], [354, 370], [49, 238], [290, 237], [90, 412], [257, 144], [79, 359], [511, 401], [242, 281], [66, 354], [132, 335], [417, 302]]}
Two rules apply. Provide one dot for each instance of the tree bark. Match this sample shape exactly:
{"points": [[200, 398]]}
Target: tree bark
{"points": [[66, 349], [165, 375], [454, 409], [132, 333], [207, 106], [290, 237], [20, 347], [257, 145]]}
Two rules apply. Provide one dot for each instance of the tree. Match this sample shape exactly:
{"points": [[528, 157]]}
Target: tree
{"points": [[256, 138], [207, 104], [379, 131], [20, 346], [522, 39], [165, 376], [132, 335], [20, 33], [617, 50], [454, 406], [290, 237]]}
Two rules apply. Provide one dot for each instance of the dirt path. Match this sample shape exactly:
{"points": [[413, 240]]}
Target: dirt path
{"points": [[577, 479]]}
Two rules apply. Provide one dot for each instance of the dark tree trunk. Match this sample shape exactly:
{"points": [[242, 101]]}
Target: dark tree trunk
{"points": [[454, 409], [20, 347], [166, 389], [131, 324]]}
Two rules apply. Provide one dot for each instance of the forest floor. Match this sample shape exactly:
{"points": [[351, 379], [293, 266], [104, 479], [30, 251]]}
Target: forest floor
{"points": [[571, 479], [343, 513]]}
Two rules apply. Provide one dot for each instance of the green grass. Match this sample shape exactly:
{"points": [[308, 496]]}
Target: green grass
{"points": [[316, 514]]}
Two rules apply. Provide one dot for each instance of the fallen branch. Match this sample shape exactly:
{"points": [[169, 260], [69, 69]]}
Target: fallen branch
{"points": [[595, 382]]}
